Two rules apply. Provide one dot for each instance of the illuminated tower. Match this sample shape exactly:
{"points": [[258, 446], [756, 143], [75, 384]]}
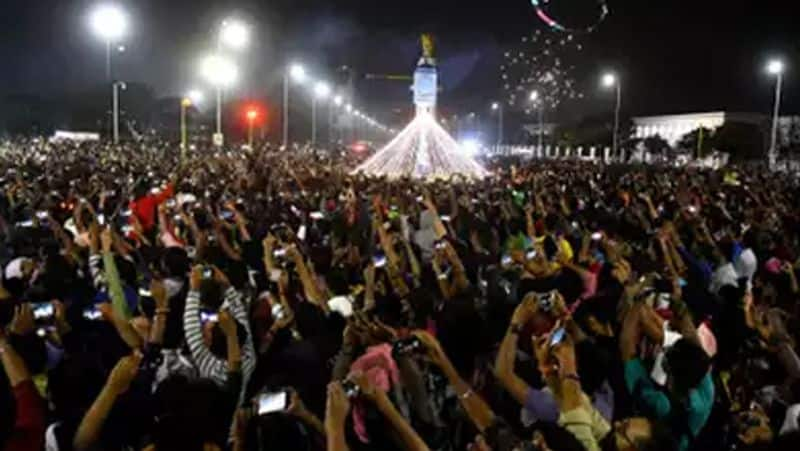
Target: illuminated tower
{"points": [[423, 149]]}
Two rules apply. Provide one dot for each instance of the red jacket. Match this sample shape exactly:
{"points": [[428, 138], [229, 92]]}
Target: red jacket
{"points": [[29, 428], [145, 208]]}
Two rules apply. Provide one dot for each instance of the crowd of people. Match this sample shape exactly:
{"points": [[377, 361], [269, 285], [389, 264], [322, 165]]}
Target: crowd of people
{"points": [[265, 299]]}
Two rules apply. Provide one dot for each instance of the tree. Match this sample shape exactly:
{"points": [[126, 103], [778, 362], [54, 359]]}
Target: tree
{"points": [[698, 142], [741, 140], [656, 145]]}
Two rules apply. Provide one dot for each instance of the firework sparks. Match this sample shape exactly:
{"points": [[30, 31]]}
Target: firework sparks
{"points": [[544, 63]]}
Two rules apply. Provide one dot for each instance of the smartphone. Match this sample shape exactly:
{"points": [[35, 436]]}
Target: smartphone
{"points": [[209, 316], [101, 219], [277, 312], [279, 253], [226, 215], [92, 314], [26, 224], [407, 346], [42, 215], [531, 254], [691, 209], [208, 272], [506, 260], [316, 215], [42, 311], [272, 402], [557, 336], [445, 218], [597, 236], [440, 244], [145, 293], [170, 203], [379, 260]]}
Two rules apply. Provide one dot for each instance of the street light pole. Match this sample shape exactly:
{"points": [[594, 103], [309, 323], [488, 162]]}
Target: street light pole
{"points": [[773, 148], [615, 142], [541, 125], [185, 104], [285, 109], [314, 120], [108, 60], [219, 110], [250, 132], [115, 109]]}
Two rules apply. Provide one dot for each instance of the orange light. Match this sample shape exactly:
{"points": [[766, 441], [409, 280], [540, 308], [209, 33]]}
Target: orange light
{"points": [[252, 115]]}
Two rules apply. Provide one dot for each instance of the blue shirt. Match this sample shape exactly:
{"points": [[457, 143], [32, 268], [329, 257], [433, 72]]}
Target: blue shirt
{"points": [[658, 406]]}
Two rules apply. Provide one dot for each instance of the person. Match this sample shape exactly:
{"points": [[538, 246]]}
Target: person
{"points": [[274, 300]]}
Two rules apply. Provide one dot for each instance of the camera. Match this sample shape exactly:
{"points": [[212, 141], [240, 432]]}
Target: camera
{"points": [[546, 301], [406, 346], [379, 260], [208, 272], [351, 389]]}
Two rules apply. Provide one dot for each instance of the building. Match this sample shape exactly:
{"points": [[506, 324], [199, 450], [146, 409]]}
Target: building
{"points": [[789, 132], [674, 126]]}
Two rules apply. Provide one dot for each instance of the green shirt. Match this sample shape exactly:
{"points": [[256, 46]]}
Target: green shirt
{"points": [[658, 406]]}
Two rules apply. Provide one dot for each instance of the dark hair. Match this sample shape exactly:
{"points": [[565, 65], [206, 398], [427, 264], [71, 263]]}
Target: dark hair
{"points": [[175, 262], [218, 341], [662, 438], [211, 294], [277, 431], [189, 413], [688, 365]]}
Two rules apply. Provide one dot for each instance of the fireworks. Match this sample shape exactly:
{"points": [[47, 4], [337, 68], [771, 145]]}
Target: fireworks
{"points": [[593, 18], [422, 150], [544, 63]]}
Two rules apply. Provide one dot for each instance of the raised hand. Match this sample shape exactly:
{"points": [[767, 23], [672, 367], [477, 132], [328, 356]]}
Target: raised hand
{"points": [[124, 373]]}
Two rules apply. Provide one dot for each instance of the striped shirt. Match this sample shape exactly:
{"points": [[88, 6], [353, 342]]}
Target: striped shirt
{"points": [[209, 365]]}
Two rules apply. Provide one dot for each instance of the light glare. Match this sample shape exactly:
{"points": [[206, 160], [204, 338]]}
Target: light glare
{"points": [[109, 22], [219, 71], [609, 80], [234, 34], [298, 73], [322, 90], [775, 67]]}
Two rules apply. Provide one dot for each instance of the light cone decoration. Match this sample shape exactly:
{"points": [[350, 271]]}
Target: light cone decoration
{"points": [[422, 150]]}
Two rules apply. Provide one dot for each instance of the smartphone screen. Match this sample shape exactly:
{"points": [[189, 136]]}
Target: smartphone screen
{"points": [[557, 336], [92, 314], [209, 316], [272, 402], [43, 310], [379, 260]]}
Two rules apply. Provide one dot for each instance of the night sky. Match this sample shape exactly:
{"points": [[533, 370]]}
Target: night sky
{"points": [[674, 56]]}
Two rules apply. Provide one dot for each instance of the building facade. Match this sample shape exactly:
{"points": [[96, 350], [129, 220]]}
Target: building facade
{"points": [[674, 126]]}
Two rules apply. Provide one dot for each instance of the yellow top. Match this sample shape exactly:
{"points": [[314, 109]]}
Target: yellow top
{"points": [[427, 45]]}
